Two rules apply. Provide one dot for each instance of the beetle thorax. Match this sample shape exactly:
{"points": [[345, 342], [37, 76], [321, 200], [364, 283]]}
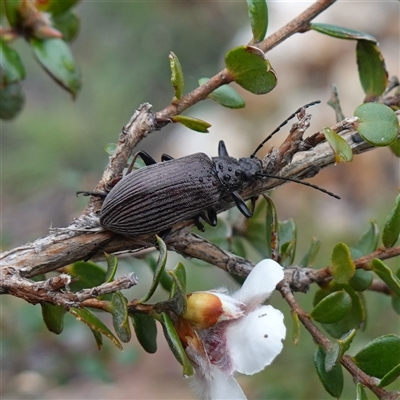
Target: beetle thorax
{"points": [[233, 174]]}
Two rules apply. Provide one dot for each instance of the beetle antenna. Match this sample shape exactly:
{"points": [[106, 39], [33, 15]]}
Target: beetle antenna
{"points": [[283, 124], [301, 183]]}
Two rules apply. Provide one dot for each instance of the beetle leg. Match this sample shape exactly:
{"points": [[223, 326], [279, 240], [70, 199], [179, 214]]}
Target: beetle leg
{"points": [[164, 233], [166, 157], [222, 152], [148, 160], [212, 217], [103, 195], [199, 225], [241, 205]]}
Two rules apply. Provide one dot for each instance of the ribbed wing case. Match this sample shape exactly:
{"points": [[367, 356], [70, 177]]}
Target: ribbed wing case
{"points": [[154, 198]]}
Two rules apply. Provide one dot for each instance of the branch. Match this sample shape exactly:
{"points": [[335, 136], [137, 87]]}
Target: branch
{"points": [[357, 374], [55, 290]]}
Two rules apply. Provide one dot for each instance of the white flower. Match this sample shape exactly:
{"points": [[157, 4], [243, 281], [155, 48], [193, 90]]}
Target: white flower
{"points": [[234, 333]]}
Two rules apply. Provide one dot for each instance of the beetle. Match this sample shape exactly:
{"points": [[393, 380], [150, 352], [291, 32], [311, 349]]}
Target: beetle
{"points": [[152, 199]]}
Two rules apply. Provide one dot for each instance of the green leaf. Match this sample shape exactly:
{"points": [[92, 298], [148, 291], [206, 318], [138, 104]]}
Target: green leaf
{"points": [[390, 377], [53, 317], [177, 80], [162, 260], [98, 338], [368, 242], [332, 308], [395, 147], [361, 280], [110, 148], [146, 331], [89, 275], [258, 15], [112, 265], [165, 280], [178, 275], [12, 99], [379, 356], [360, 392], [340, 147], [341, 33], [309, 258], [68, 24], [250, 69], [55, 56], [371, 69], [12, 11], [175, 344], [387, 275], [395, 299], [353, 320], [377, 124], [342, 266], [55, 7], [391, 230], [11, 67], [225, 95], [194, 124], [85, 316], [336, 352], [332, 380], [295, 327], [119, 313], [287, 233]]}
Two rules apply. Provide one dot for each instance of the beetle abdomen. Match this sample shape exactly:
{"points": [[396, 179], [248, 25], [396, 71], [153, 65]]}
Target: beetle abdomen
{"points": [[156, 197]]}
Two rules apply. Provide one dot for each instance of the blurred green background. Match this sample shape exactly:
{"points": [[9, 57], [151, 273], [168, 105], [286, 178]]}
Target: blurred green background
{"points": [[56, 147]]}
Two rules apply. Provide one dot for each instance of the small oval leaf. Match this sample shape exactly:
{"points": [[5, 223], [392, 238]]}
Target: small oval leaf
{"points": [[379, 356], [287, 233], [175, 344], [342, 266], [250, 69], [332, 380], [258, 15], [158, 271], [53, 317], [55, 56], [341, 33], [340, 147], [361, 280], [391, 230], [371, 69], [12, 99], [225, 95], [12, 69], [368, 242], [360, 392], [68, 24], [112, 265], [332, 308], [377, 124], [295, 327], [390, 377], [177, 80], [387, 275], [194, 124], [85, 316], [119, 313], [179, 280], [309, 258], [146, 331], [89, 275]]}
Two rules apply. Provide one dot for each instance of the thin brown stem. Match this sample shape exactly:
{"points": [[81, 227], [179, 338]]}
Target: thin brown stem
{"points": [[347, 362]]}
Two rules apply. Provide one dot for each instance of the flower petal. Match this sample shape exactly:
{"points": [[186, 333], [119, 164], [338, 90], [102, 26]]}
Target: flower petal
{"points": [[260, 283], [255, 340], [219, 386]]}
